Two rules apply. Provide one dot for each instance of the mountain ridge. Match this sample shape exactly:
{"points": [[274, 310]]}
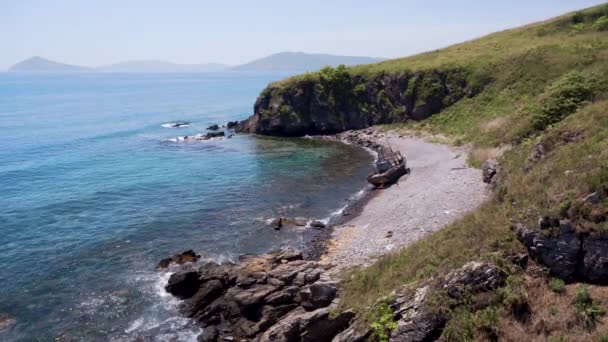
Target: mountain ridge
{"points": [[282, 61]]}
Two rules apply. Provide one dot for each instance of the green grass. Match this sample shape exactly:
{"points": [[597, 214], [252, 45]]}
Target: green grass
{"points": [[535, 85]]}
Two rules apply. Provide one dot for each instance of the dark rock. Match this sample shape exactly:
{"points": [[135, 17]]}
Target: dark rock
{"points": [[213, 127], [593, 198], [250, 296], [282, 297], [183, 284], [415, 322], [305, 108], [205, 294], [547, 222], [179, 259], [317, 296], [232, 124], [317, 224], [560, 252], [595, 260], [489, 170], [276, 223], [215, 134], [209, 334], [472, 278], [312, 326]]}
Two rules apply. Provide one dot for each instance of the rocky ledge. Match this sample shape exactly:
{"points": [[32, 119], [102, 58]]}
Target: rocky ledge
{"points": [[336, 100], [277, 296]]}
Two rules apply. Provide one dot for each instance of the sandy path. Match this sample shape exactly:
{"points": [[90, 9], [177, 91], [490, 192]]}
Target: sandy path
{"points": [[439, 190]]}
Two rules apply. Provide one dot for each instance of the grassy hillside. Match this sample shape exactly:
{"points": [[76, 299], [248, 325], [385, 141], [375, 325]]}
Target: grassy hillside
{"points": [[546, 87]]}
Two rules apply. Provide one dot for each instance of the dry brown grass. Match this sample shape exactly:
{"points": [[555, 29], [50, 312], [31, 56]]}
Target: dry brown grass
{"points": [[553, 315]]}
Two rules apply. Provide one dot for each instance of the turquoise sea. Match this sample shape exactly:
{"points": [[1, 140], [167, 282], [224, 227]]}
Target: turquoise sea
{"points": [[94, 193]]}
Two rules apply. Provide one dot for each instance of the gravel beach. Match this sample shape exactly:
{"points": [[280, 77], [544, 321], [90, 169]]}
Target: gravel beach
{"points": [[440, 189]]}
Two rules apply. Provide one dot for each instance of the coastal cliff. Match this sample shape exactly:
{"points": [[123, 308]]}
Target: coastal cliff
{"points": [[335, 100]]}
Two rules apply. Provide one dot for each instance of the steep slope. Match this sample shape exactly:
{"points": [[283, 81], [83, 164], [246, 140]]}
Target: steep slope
{"points": [[39, 64], [535, 99], [301, 62]]}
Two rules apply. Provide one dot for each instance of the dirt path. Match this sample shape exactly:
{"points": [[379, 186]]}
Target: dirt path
{"points": [[440, 189]]}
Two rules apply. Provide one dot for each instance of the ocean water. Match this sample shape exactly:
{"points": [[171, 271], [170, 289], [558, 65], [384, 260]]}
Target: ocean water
{"points": [[93, 194]]}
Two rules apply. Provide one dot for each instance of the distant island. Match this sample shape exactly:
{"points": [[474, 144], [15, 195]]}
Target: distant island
{"points": [[301, 62], [283, 61]]}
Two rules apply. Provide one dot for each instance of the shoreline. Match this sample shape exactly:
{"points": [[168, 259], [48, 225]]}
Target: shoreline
{"points": [[441, 188], [288, 288]]}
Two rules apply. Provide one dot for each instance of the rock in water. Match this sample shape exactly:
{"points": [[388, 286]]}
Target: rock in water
{"points": [[270, 297], [183, 284], [178, 259], [232, 124], [215, 134], [213, 127], [317, 224]]}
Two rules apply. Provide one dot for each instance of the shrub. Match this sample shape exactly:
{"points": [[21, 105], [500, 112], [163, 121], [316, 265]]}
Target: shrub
{"points": [[588, 311], [601, 24], [564, 97], [383, 322], [557, 285]]}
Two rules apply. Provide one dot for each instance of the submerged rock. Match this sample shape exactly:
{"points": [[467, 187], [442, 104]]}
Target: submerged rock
{"points": [[6, 321]]}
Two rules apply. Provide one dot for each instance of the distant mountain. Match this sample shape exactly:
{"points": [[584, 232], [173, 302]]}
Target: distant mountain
{"points": [[284, 61], [151, 66], [39, 64], [300, 61]]}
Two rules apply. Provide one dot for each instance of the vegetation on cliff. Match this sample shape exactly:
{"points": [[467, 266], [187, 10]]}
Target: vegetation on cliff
{"points": [[536, 99]]}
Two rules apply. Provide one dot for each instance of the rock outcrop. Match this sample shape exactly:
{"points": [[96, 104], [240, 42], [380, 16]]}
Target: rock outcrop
{"points": [[568, 254], [271, 297], [489, 171], [337, 101], [417, 322]]}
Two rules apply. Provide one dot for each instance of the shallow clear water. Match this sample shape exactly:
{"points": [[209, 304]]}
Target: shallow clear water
{"points": [[93, 196]]}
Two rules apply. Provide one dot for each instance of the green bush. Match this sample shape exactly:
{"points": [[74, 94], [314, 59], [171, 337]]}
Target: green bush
{"points": [[557, 285], [588, 311], [383, 322], [601, 24], [564, 97]]}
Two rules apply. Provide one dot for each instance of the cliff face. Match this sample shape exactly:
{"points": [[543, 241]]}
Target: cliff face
{"points": [[333, 100]]}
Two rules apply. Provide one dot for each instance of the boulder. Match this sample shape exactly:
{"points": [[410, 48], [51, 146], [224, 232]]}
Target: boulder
{"points": [[205, 294], [209, 334], [317, 224], [415, 323], [213, 127], [559, 252], [215, 134], [473, 277], [489, 170], [183, 284], [311, 326], [595, 259], [276, 223], [178, 259], [317, 296], [232, 124]]}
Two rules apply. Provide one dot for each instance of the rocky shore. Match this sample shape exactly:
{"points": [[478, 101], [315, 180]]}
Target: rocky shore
{"points": [[294, 296]]}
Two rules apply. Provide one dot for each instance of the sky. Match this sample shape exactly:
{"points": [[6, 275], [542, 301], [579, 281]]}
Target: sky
{"points": [[92, 33]]}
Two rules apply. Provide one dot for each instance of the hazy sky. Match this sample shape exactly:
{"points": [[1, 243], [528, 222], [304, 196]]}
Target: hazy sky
{"points": [[91, 33]]}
